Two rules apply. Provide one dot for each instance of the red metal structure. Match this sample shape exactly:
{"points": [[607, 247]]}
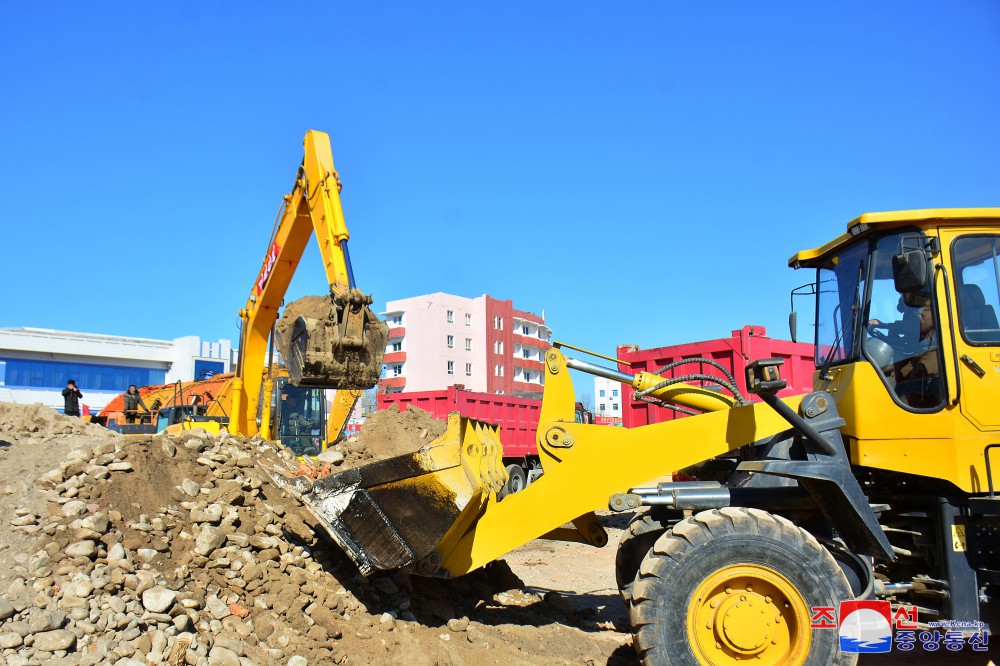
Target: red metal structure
{"points": [[747, 344]]}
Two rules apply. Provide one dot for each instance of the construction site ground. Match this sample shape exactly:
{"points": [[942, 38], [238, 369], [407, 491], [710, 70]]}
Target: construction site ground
{"points": [[182, 550]]}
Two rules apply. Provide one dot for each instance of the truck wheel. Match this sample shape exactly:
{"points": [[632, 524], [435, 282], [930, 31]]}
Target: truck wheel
{"points": [[516, 480], [635, 542], [736, 584]]}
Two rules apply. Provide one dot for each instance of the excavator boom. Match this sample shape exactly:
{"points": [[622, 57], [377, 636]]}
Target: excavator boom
{"points": [[329, 341]]}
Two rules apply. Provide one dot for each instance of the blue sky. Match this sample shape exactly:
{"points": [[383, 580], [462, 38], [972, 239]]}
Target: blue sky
{"points": [[639, 171]]}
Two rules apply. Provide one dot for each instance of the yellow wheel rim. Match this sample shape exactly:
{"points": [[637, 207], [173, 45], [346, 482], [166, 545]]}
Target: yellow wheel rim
{"points": [[748, 613]]}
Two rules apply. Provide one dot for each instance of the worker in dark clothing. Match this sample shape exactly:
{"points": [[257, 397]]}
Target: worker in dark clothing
{"points": [[132, 403], [71, 396]]}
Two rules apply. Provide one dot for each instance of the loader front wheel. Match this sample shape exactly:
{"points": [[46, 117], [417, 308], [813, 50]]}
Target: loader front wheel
{"points": [[636, 541], [736, 584]]}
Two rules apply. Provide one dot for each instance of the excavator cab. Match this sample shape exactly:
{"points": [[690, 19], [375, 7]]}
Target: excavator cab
{"points": [[300, 416]]}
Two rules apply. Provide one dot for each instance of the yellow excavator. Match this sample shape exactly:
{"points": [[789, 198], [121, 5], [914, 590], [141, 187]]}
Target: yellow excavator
{"points": [[876, 486], [333, 341]]}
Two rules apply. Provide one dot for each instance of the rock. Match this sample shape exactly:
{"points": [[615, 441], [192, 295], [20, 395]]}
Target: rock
{"points": [[81, 549], [210, 514], [331, 456], [116, 554], [50, 641], [458, 625], [74, 508], [190, 488], [298, 660], [158, 599], [6, 609], [146, 554], [22, 521], [10, 639], [208, 540], [220, 656], [217, 608], [169, 449]]}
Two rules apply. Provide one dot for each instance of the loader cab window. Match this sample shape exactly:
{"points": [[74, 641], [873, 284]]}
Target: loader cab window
{"points": [[977, 276], [302, 419], [839, 293], [902, 333]]}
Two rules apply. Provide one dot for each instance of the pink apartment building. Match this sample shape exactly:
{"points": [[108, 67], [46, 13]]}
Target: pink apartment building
{"points": [[487, 345]]}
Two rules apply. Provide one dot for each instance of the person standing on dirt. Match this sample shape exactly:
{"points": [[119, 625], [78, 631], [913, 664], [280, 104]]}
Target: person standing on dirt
{"points": [[132, 403], [71, 397]]}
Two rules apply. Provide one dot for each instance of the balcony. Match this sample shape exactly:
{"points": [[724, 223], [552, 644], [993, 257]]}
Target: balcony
{"points": [[397, 332], [395, 383], [394, 357], [529, 364], [528, 340]]}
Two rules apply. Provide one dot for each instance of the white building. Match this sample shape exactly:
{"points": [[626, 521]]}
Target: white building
{"points": [[35, 364], [608, 397], [487, 345]]}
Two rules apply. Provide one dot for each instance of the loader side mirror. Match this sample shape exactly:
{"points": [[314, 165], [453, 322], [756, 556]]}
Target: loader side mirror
{"points": [[909, 271], [792, 325]]}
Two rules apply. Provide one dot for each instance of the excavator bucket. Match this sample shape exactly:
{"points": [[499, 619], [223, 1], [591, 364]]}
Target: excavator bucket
{"points": [[333, 341], [392, 514]]}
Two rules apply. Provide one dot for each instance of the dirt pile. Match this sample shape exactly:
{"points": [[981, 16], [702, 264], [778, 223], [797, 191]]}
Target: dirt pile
{"points": [[386, 433], [183, 551]]}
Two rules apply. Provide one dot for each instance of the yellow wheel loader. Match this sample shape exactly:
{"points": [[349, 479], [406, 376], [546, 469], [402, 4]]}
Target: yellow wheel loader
{"points": [[875, 488]]}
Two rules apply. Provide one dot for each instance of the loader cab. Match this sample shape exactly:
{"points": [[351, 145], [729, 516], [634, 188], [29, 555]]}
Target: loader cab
{"points": [[907, 339], [875, 304]]}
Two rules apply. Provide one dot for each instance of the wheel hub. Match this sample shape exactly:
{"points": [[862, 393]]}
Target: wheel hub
{"points": [[748, 612]]}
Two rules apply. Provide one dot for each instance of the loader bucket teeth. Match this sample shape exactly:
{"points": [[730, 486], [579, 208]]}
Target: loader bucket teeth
{"points": [[395, 513], [332, 341]]}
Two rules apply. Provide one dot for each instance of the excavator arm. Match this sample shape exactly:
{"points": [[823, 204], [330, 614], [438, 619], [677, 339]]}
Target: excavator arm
{"points": [[331, 341]]}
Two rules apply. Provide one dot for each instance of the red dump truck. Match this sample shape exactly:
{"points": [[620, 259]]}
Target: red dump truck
{"points": [[517, 418]]}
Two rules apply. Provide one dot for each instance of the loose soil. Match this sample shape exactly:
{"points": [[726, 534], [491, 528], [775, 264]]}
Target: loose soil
{"points": [[182, 550]]}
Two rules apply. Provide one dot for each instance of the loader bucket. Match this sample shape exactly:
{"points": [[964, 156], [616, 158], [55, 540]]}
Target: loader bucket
{"points": [[332, 341], [392, 514]]}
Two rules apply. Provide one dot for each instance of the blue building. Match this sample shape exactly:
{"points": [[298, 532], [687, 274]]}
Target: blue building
{"points": [[36, 362]]}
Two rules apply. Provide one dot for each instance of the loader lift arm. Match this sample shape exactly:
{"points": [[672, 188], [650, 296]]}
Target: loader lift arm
{"points": [[355, 339]]}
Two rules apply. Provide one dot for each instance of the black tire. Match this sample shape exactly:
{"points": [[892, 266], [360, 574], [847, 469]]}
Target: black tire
{"points": [[637, 539], [747, 548], [516, 480]]}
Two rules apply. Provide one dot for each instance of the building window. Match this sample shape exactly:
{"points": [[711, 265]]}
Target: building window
{"points": [[396, 346], [614, 406], [397, 370], [614, 393], [524, 330], [601, 393], [498, 346], [451, 341], [498, 370], [468, 344], [451, 316], [527, 376], [601, 407], [468, 320], [397, 320], [451, 367], [96, 377], [498, 323], [526, 353], [468, 369]]}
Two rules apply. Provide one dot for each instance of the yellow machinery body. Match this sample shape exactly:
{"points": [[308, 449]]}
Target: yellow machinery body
{"points": [[884, 466]]}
